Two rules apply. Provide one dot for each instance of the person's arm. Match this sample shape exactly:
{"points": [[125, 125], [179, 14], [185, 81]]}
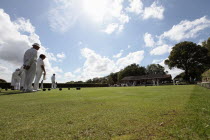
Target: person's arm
{"points": [[43, 68]]}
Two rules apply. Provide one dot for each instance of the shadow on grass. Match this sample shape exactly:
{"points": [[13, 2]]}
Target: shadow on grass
{"points": [[194, 123], [10, 92]]}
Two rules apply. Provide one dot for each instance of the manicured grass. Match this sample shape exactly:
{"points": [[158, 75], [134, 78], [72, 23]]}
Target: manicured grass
{"points": [[162, 112]]}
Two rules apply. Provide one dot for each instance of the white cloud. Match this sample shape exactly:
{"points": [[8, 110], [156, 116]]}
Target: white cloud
{"points": [[184, 30], [160, 50], [111, 28], [114, 12], [148, 39], [57, 70], [187, 29], [78, 70], [200, 41], [135, 6], [23, 25], [154, 11], [69, 75], [18, 35], [129, 46], [61, 55], [6, 70], [157, 61], [119, 54], [174, 72], [3, 69], [135, 57], [96, 65], [51, 57], [64, 14]]}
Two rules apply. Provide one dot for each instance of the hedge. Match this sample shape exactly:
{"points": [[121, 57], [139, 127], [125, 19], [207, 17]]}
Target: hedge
{"points": [[60, 85]]}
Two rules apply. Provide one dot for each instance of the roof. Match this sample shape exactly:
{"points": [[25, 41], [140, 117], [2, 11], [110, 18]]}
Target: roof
{"points": [[206, 74], [147, 77]]}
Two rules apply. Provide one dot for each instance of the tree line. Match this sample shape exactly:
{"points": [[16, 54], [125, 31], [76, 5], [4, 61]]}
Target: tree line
{"points": [[194, 59], [131, 70]]}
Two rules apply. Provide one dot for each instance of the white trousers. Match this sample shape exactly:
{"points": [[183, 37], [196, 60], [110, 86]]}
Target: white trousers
{"points": [[42, 85], [53, 85], [17, 83], [22, 77], [29, 77], [13, 82], [37, 79]]}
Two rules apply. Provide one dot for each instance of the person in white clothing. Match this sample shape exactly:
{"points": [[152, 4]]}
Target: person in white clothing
{"points": [[22, 78], [29, 63], [53, 81], [15, 83], [13, 80], [40, 68]]}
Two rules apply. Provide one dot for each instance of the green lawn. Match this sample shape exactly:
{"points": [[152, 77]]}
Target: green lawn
{"points": [[162, 112]]}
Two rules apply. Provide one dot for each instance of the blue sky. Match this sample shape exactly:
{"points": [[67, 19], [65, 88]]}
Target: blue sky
{"points": [[90, 38]]}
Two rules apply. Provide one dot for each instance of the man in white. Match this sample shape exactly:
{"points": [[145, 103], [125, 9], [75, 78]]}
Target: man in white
{"points": [[22, 78], [53, 81], [13, 80], [29, 63], [40, 68], [15, 83]]}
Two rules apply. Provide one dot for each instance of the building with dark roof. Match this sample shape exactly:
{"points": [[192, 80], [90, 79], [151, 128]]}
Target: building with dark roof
{"points": [[206, 76], [152, 79]]}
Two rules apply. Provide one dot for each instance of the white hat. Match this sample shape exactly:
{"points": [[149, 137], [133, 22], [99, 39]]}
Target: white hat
{"points": [[36, 44]]}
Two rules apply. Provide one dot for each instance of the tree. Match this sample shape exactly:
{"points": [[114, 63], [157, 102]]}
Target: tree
{"points": [[110, 80], [104, 80], [78, 82], [206, 44], [155, 69], [190, 57], [132, 70], [113, 78], [89, 81], [2, 81]]}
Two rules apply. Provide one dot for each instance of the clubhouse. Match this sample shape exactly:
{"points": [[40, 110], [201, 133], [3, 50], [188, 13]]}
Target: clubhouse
{"points": [[152, 79]]}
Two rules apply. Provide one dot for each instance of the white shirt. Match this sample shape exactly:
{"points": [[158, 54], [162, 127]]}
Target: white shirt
{"points": [[22, 71], [40, 63], [15, 76], [30, 57], [53, 79]]}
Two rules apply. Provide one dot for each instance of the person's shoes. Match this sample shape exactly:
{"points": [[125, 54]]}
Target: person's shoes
{"points": [[38, 89]]}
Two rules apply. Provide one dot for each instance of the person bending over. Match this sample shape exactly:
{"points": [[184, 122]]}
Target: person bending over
{"points": [[40, 69]]}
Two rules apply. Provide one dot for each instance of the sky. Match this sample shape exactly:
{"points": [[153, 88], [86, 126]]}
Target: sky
{"points": [[84, 39]]}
